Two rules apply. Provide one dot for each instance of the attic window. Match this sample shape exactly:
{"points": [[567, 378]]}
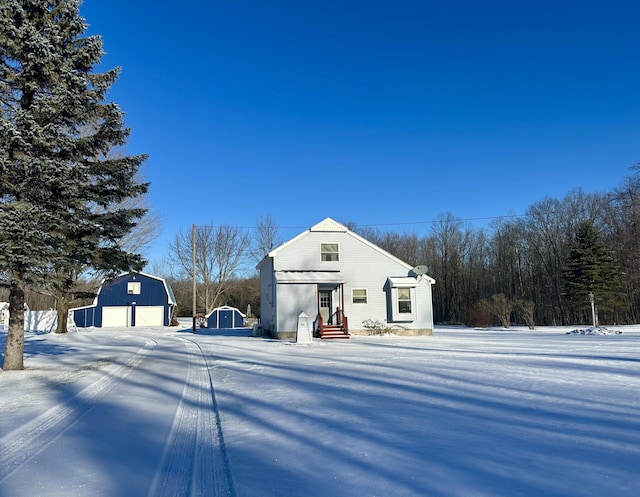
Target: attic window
{"points": [[133, 288], [329, 252]]}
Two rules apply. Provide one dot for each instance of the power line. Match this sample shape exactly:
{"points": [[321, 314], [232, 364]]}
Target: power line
{"points": [[488, 218], [402, 223]]}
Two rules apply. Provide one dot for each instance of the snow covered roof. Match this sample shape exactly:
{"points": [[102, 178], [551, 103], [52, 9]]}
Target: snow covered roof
{"points": [[403, 281], [226, 308]]}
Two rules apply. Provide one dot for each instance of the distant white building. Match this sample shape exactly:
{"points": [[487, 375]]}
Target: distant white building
{"points": [[4, 314], [341, 280], [33, 320]]}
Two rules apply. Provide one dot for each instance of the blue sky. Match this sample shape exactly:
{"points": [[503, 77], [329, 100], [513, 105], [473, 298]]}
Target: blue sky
{"points": [[377, 112]]}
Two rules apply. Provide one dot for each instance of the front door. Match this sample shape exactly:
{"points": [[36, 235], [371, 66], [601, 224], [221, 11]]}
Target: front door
{"points": [[325, 305]]}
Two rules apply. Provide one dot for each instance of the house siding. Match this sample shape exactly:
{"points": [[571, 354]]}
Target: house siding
{"points": [[361, 266], [294, 299], [267, 295]]}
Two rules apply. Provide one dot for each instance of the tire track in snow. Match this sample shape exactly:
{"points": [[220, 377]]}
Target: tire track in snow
{"points": [[24, 442], [195, 462]]}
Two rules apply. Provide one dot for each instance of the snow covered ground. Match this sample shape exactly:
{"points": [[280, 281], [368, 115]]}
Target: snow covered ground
{"points": [[165, 412]]}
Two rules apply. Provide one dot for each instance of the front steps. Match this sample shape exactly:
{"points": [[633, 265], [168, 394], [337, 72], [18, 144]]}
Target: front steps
{"points": [[329, 331]]}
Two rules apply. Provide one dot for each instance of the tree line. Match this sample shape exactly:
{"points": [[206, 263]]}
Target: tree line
{"points": [[538, 268]]}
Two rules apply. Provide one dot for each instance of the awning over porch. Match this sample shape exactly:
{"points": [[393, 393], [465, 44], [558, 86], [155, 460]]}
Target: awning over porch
{"points": [[309, 277]]}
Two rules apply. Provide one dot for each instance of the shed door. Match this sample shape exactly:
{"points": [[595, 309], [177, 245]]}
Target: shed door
{"points": [[149, 315], [116, 316], [226, 319]]}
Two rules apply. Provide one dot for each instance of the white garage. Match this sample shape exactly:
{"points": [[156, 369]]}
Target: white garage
{"points": [[149, 315], [116, 316]]}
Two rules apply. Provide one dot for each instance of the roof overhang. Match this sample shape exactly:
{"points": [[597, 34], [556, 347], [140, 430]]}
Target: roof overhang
{"points": [[403, 281], [309, 277]]}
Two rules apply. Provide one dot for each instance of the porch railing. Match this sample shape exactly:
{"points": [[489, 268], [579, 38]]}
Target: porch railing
{"points": [[336, 319]]}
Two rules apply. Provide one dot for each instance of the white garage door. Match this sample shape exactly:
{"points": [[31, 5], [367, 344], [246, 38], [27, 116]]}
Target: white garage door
{"points": [[116, 317], [149, 315]]}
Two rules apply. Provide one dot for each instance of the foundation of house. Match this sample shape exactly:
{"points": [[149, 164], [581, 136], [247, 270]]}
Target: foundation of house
{"points": [[403, 332]]}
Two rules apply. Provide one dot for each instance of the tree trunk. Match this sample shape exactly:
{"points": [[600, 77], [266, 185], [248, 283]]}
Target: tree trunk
{"points": [[14, 348], [62, 309]]}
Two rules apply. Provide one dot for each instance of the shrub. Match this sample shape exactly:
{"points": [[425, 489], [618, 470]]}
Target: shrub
{"points": [[375, 327], [479, 316]]}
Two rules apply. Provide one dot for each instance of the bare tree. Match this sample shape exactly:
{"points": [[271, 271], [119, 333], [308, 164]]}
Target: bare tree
{"points": [[622, 232], [219, 251], [450, 243], [266, 237], [526, 309], [148, 228], [501, 307], [548, 230]]}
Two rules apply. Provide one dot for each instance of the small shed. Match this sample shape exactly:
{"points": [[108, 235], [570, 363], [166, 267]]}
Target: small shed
{"points": [[129, 300], [225, 317]]}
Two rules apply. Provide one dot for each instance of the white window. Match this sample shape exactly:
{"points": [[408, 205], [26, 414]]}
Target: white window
{"points": [[329, 252], [404, 300], [133, 288], [359, 295]]}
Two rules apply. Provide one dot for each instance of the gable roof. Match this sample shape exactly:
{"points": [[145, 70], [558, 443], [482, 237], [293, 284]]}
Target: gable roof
{"points": [[329, 225]]}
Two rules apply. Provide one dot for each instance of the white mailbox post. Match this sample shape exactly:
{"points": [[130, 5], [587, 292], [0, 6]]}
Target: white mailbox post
{"points": [[303, 332]]}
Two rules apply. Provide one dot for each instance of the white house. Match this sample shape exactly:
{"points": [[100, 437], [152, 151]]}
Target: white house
{"points": [[341, 281]]}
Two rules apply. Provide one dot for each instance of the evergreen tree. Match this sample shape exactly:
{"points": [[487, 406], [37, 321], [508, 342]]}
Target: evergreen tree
{"points": [[591, 269], [59, 193]]}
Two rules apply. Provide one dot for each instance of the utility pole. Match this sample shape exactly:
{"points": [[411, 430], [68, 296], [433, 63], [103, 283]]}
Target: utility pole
{"points": [[193, 272]]}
